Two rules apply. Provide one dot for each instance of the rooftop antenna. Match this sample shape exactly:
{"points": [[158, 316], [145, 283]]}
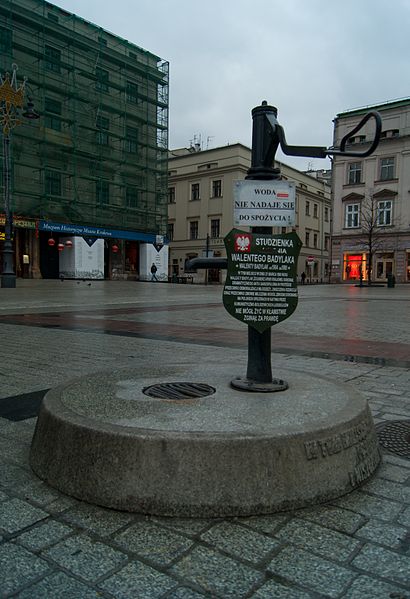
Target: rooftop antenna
{"points": [[208, 140]]}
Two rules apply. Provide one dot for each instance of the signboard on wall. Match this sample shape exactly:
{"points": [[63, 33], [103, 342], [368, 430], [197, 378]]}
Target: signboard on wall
{"points": [[82, 261], [264, 203]]}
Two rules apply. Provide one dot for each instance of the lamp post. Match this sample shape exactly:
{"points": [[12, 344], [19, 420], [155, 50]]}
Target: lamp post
{"points": [[11, 104]]}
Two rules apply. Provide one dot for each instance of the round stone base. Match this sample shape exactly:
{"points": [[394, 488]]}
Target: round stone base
{"points": [[232, 453]]}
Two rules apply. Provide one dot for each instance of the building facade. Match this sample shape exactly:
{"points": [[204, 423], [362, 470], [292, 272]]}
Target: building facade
{"points": [[371, 202], [94, 166], [200, 210]]}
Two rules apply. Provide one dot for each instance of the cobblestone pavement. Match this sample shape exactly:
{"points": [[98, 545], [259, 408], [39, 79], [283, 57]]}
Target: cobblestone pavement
{"points": [[53, 546]]}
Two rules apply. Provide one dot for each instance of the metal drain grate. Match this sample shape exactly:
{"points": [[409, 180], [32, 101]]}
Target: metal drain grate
{"points": [[395, 436], [178, 391]]}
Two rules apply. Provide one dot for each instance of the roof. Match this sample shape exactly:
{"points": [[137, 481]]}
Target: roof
{"points": [[383, 106]]}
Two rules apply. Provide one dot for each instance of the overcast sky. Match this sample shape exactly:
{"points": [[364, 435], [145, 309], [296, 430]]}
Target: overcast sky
{"points": [[309, 58]]}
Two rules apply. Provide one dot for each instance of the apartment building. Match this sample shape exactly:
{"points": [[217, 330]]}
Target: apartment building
{"points": [[92, 171], [371, 203], [200, 209]]}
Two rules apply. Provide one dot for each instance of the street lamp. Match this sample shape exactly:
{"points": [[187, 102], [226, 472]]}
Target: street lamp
{"points": [[11, 104]]}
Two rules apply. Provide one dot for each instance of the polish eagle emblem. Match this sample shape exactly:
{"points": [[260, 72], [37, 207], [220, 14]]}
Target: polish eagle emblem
{"points": [[242, 243]]}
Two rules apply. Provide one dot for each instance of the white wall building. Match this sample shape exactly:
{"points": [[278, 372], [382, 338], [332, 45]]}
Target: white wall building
{"points": [[380, 183]]}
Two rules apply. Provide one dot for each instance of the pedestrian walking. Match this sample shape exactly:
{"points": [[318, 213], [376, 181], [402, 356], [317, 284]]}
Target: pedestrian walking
{"points": [[154, 272], [303, 277]]}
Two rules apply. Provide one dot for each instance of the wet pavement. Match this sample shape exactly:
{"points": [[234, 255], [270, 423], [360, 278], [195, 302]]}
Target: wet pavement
{"points": [[53, 546]]}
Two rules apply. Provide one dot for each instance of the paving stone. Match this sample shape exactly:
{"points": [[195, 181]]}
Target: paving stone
{"points": [[333, 517], [12, 476], [391, 535], [59, 586], [138, 580], [216, 573], [85, 557], [404, 517], [184, 593], [240, 542], [368, 505], [18, 567], [275, 590], [318, 574], [61, 504], [394, 473], [44, 535], [267, 524], [17, 514], [312, 537], [158, 544], [38, 492], [3, 496], [98, 520], [390, 490], [398, 461], [191, 527], [384, 563]]}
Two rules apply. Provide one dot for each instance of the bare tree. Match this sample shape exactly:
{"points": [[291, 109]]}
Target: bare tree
{"points": [[373, 235]]}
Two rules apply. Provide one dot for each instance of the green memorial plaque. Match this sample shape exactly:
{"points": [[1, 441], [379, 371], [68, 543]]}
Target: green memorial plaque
{"points": [[261, 287]]}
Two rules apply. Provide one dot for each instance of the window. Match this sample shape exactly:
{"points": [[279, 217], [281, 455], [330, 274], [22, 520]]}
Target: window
{"points": [[102, 79], [355, 173], [386, 169], [315, 240], [307, 239], [352, 216], [315, 211], [384, 213], [327, 242], [307, 211], [5, 40], [215, 227], [102, 192], [132, 92], [53, 111], [171, 195], [103, 125], [53, 183], [170, 232], [131, 197], [217, 188], [194, 192], [193, 229], [131, 140], [52, 59], [326, 214]]}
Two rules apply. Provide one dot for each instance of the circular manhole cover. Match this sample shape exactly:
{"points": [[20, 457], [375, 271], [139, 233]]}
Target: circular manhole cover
{"points": [[394, 436], [179, 391]]}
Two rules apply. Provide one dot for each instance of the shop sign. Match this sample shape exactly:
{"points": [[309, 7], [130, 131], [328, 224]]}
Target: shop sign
{"points": [[264, 203], [261, 286], [23, 223], [100, 232]]}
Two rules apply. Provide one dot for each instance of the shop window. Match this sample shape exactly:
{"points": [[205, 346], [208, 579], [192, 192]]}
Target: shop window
{"points": [[193, 229], [386, 169], [352, 216], [52, 59], [354, 173], [215, 227], [354, 267], [384, 213]]}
